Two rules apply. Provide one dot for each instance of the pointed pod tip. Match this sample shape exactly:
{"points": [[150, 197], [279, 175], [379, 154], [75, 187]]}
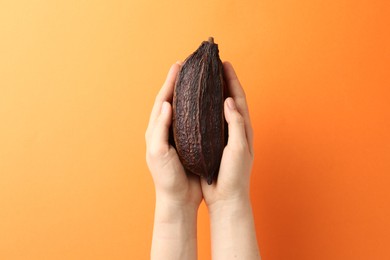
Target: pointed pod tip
{"points": [[209, 180]]}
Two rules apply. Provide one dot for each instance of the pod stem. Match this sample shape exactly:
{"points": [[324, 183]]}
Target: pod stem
{"points": [[211, 40]]}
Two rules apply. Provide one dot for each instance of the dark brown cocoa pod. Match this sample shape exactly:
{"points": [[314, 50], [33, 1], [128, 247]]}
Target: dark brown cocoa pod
{"points": [[199, 127]]}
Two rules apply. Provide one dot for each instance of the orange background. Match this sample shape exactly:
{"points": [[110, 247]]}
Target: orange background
{"points": [[77, 83]]}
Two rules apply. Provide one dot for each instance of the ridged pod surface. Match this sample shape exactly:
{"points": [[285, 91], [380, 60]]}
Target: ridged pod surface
{"points": [[198, 120]]}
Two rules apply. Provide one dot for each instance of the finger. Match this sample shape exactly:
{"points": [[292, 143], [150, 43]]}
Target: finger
{"points": [[161, 127], [236, 126], [232, 80], [237, 93], [166, 92]]}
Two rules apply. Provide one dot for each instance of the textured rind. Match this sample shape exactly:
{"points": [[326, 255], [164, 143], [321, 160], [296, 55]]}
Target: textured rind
{"points": [[198, 120]]}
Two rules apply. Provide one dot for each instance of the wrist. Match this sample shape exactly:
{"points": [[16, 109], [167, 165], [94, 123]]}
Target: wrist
{"points": [[186, 197], [170, 211], [175, 221], [233, 232], [174, 231], [230, 210]]}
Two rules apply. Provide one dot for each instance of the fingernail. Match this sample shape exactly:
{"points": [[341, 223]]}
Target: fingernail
{"points": [[231, 104]]}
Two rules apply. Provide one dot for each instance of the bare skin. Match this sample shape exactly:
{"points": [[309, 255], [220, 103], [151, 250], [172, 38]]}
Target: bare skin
{"points": [[178, 195]]}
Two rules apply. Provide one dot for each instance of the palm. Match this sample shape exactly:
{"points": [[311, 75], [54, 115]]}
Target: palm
{"points": [[234, 172], [185, 188], [215, 191]]}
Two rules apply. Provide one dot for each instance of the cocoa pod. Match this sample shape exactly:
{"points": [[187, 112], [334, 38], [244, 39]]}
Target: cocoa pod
{"points": [[198, 123]]}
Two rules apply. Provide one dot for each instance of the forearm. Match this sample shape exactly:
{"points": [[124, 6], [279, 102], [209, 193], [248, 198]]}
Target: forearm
{"points": [[233, 233], [174, 232]]}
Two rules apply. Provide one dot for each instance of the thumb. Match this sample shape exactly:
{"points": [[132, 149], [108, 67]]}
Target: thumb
{"points": [[236, 124]]}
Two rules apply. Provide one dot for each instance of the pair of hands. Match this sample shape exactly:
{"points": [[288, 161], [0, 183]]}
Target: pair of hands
{"points": [[178, 195], [173, 186]]}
